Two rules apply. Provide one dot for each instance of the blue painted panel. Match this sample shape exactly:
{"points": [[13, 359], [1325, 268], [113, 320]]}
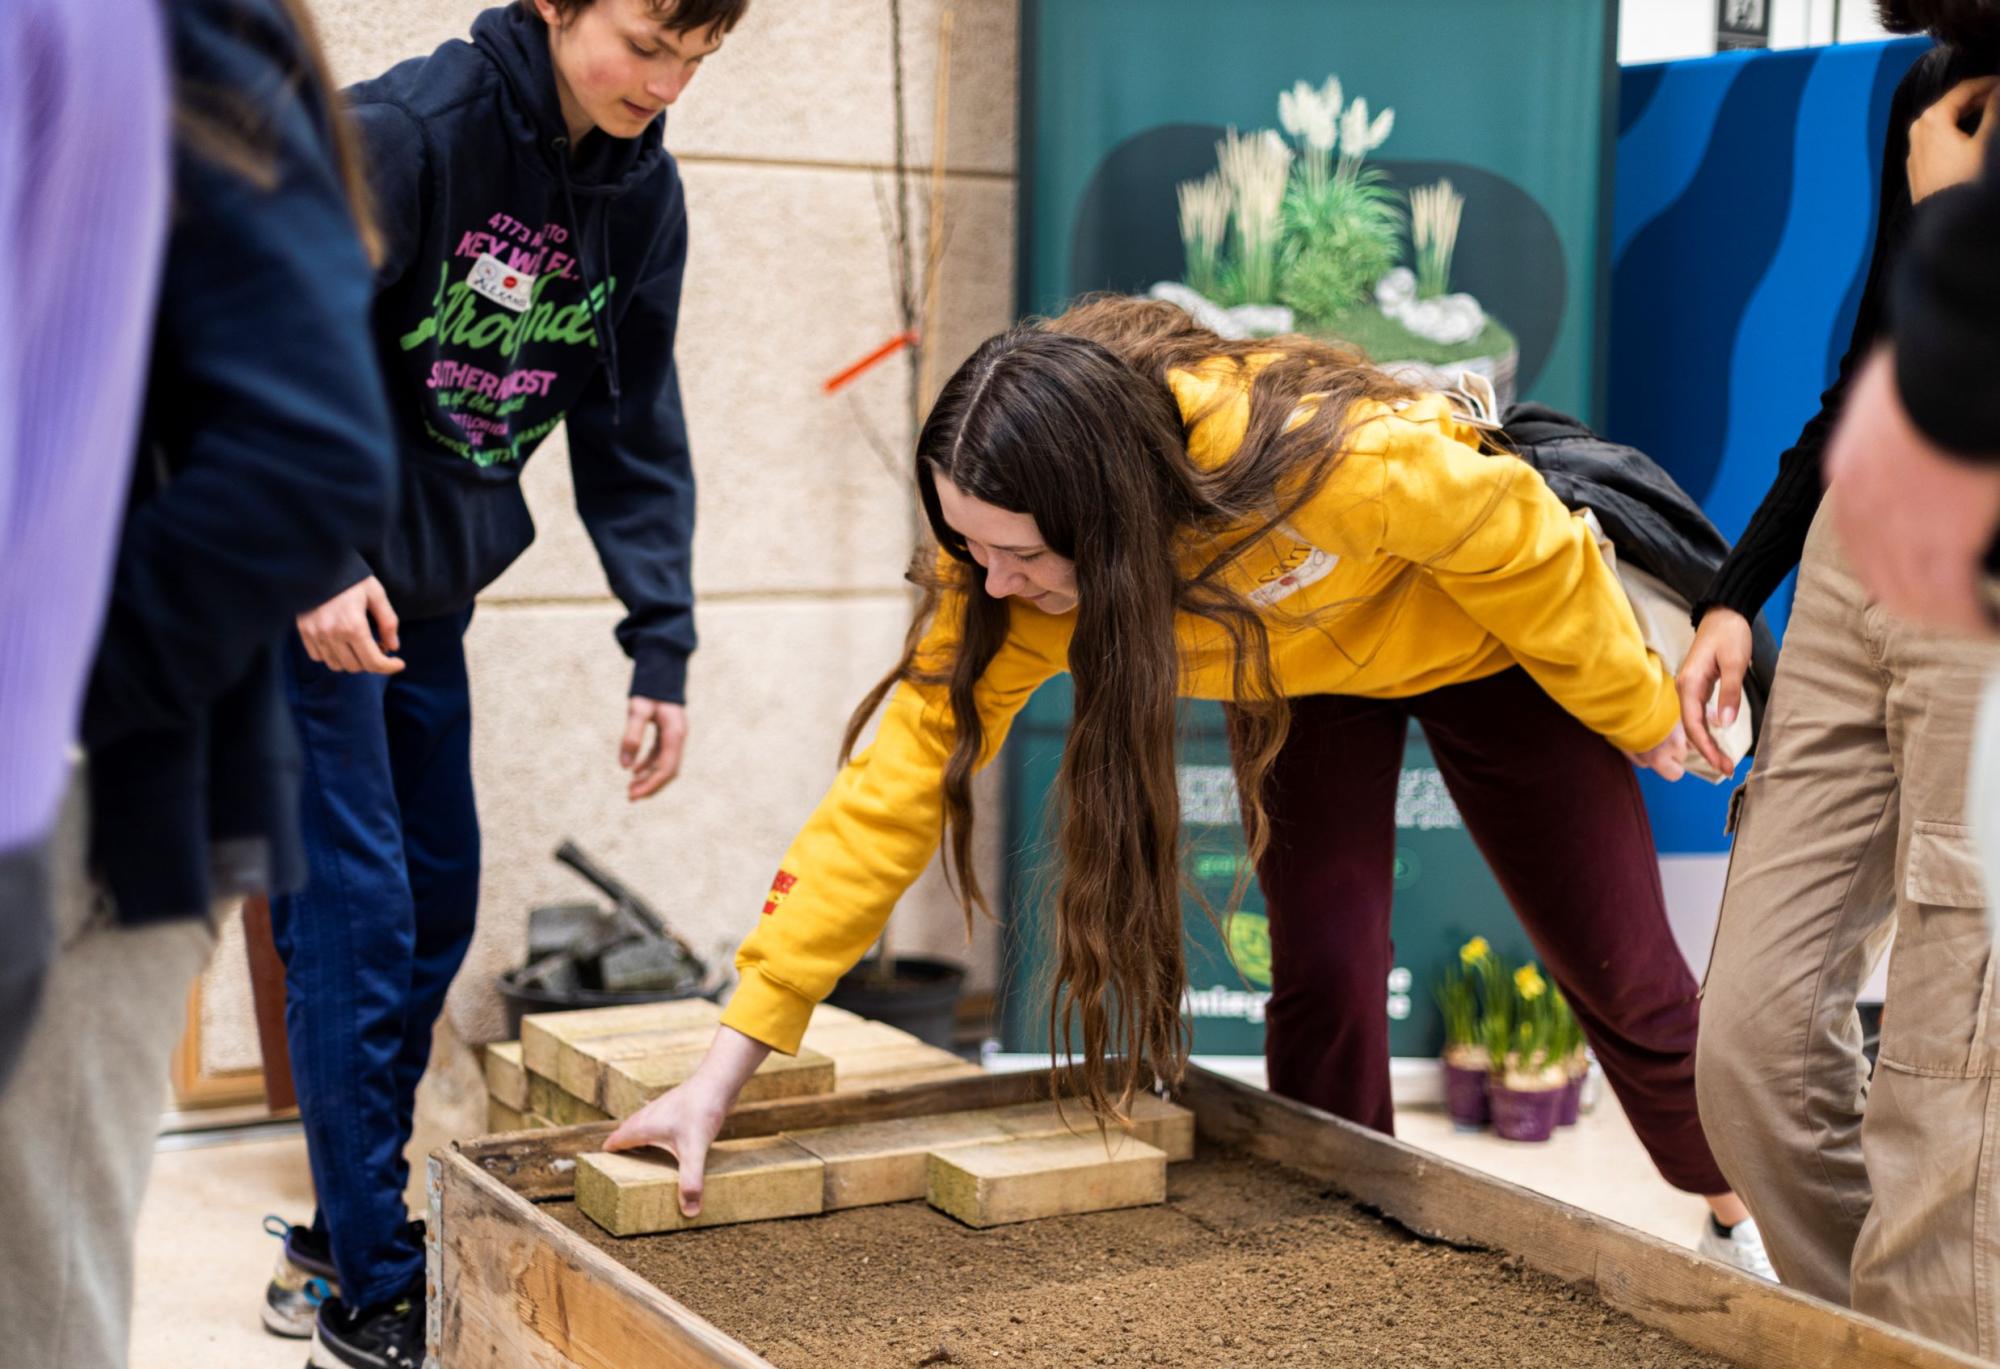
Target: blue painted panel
{"points": [[1743, 216]]}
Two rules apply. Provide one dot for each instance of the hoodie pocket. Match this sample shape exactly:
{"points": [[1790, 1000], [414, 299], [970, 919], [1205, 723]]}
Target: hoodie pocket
{"points": [[453, 537], [1935, 1019]]}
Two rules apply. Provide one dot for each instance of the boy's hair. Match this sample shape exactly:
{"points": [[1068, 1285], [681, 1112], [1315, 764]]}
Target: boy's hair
{"points": [[682, 16], [1970, 25]]}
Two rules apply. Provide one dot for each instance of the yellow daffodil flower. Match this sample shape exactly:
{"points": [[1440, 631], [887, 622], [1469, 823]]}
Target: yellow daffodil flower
{"points": [[1474, 951], [1529, 983]]}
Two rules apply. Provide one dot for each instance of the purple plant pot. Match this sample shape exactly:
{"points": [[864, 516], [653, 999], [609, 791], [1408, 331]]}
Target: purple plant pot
{"points": [[1525, 1114], [1572, 1098], [1465, 1097]]}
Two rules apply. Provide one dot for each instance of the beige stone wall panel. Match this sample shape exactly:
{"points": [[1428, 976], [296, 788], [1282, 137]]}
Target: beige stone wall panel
{"points": [[812, 82]]}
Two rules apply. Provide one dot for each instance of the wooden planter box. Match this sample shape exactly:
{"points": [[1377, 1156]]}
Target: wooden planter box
{"points": [[512, 1288]]}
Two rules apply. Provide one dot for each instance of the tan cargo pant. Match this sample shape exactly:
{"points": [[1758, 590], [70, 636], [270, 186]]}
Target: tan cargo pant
{"points": [[1852, 824], [78, 1120]]}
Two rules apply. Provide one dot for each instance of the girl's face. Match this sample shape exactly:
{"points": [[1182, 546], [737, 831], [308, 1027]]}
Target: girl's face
{"points": [[1018, 564], [618, 64]]}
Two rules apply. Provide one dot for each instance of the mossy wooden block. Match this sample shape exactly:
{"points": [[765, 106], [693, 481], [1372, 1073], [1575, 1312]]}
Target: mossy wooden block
{"points": [[506, 1076], [543, 1033], [1055, 1176], [581, 1064], [753, 1180], [546, 1097], [500, 1117], [631, 1084]]}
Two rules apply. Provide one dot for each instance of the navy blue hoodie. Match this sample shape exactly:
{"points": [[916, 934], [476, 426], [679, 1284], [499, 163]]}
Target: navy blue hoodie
{"points": [[528, 283], [265, 456]]}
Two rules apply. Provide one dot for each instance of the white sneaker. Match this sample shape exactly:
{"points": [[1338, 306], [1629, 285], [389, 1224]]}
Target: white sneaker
{"points": [[1743, 1247]]}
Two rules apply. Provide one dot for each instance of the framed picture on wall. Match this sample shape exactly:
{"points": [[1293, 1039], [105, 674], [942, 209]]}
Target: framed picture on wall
{"points": [[1742, 24]]}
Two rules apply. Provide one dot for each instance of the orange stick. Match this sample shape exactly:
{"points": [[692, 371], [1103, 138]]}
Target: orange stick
{"points": [[879, 355]]}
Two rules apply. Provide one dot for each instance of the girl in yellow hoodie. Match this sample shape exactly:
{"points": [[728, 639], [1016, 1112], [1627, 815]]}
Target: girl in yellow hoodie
{"points": [[1119, 494]]}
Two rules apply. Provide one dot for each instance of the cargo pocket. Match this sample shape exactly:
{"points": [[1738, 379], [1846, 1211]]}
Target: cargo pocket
{"points": [[1731, 820], [1940, 998]]}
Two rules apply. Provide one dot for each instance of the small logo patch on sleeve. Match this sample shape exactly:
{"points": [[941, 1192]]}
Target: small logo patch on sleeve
{"points": [[781, 884]]}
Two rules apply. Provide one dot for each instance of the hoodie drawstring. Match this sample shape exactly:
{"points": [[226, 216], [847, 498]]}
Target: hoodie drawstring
{"points": [[607, 343]]}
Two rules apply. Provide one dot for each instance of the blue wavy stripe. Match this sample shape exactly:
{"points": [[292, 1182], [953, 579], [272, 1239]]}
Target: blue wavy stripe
{"points": [[1661, 147], [1778, 362], [1680, 286]]}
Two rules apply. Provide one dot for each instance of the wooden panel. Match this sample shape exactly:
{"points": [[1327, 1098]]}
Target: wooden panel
{"points": [[630, 1084], [506, 1077], [1708, 1305], [541, 1165], [892, 1066], [196, 1088], [1051, 1176], [542, 1034], [636, 1193], [513, 1289]]}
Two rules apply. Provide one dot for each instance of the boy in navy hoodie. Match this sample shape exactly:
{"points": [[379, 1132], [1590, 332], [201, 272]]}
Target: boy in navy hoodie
{"points": [[535, 239]]}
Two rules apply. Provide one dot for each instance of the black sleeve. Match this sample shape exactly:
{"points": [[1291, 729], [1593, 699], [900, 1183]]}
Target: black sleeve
{"points": [[635, 478], [1776, 535], [1947, 317], [265, 407]]}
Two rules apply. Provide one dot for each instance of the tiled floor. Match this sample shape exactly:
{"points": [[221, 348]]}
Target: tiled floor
{"points": [[203, 1258]]}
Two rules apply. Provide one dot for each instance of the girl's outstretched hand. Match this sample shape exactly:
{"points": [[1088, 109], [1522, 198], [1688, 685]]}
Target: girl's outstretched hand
{"points": [[1666, 759], [684, 1121]]}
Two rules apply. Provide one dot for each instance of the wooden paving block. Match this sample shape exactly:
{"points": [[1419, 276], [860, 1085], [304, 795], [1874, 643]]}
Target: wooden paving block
{"points": [[543, 1033], [506, 1076], [631, 1084], [887, 1162], [1164, 1126], [891, 1066], [1018, 1181], [547, 1098], [581, 1064], [500, 1117], [853, 1034], [633, 1194]]}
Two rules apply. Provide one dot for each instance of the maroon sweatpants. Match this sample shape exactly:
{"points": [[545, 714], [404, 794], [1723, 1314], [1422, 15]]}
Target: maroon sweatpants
{"points": [[1557, 813]]}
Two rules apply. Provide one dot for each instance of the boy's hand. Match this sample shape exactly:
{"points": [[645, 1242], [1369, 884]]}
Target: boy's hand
{"points": [[337, 635], [1942, 154], [663, 762], [1720, 656]]}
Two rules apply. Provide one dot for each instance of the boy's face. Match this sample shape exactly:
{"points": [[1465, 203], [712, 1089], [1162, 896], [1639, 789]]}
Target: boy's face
{"points": [[618, 64]]}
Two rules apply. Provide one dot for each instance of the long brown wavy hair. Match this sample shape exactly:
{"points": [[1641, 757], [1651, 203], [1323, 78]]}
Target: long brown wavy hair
{"points": [[1071, 420]]}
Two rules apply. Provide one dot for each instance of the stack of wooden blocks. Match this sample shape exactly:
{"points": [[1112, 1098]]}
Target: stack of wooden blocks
{"points": [[602, 1063], [984, 1167]]}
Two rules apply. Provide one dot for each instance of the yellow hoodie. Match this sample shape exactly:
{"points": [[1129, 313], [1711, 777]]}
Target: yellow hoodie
{"points": [[1523, 585]]}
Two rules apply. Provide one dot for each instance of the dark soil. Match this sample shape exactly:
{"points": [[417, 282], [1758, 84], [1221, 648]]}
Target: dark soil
{"points": [[1246, 1264]]}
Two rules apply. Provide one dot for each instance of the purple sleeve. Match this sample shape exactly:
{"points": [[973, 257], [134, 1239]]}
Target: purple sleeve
{"points": [[83, 198]]}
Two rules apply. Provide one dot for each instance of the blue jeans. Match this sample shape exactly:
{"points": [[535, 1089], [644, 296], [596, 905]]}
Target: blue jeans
{"points": [[371, 943]]}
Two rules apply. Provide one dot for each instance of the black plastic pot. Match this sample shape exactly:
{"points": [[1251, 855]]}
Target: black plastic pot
{"points": [[922, 999], [522, 999]]}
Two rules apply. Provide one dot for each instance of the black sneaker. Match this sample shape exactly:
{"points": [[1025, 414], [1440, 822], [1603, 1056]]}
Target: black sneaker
{"points": [[388, 1335], [303, 1279]]}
